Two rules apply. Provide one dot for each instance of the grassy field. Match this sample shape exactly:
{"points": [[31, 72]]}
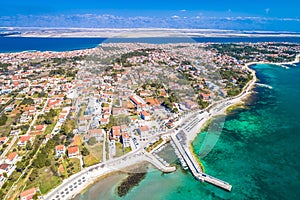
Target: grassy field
{"points": [[90, 160], [73, 166], [120, 151], [5, 129], [46, 180], [95, 156]]}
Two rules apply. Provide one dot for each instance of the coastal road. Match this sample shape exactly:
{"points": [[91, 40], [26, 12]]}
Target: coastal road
{"points": [[117, 163]]}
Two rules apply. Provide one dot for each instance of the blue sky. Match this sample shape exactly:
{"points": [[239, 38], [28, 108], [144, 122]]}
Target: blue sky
{"points": [[266, 12]]}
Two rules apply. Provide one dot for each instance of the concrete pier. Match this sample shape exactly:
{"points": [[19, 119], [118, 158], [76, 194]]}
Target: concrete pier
{"points": [[195, 167]]}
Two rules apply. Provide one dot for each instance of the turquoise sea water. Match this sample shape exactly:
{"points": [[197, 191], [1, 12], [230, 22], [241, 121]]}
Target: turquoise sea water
{"points": [[258, 150]]}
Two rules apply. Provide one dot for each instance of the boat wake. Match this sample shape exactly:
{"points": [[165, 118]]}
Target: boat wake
{"points": [[284, 66], [264, 85]]}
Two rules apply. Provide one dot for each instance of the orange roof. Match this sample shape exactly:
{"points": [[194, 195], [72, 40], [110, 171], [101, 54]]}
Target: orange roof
{"points": [[60, 147], [29, 192], [135, 100], [145, 113], [3, 138], [125, 135], [76, 140], [104, 120], [12, 156], [61, 168], [25, 138], [152, 101], [144, 128], [116, 130], [72, 150], [39, 127]]}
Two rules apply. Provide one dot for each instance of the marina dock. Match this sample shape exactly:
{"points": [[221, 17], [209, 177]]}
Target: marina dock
{"points": [[194, 166]]}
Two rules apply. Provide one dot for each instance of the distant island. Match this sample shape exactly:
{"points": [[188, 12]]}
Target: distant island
{"points": [[138, 32]]}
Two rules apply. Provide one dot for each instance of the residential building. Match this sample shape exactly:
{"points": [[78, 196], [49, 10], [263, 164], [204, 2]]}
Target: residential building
{"points": [[60, 150], [3, 140], [24, 139], [144, 132], [28, 194], [145, 115], [12, 158], [116, 132], [138, 102], [73, 152], [125, 140]]}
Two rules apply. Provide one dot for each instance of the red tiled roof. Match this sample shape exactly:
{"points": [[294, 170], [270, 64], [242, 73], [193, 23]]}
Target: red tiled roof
{"points": [[144, 128], [116, 130], [27, 193], [39, 127], [12, 156], [73, 150], [25, 138], [145, 113], [125, 135], [60, 147], [3, 166]]}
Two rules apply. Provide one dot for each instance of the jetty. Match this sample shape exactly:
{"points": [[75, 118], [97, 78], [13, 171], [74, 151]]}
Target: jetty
{"points": [[180, 143]]}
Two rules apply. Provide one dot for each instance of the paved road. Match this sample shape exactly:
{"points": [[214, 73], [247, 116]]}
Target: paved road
{"points": [[9, 146], [117, 163]]}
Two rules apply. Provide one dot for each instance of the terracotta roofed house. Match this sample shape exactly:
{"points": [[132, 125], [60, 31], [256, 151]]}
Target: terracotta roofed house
{"points": [[116, 132], [40, 127], [60, 150], [125, 140], [12, 158], [3, 140], [145, 115], [143, 131], [73, 152], [28, 194], [24, 139]]}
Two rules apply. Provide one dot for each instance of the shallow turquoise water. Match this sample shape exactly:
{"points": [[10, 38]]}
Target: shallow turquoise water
{"points": [[257, 152]]}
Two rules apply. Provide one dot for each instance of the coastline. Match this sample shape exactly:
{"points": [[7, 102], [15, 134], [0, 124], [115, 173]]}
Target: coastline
{"points": [[245, 94], [236, 100], [129, 169]]}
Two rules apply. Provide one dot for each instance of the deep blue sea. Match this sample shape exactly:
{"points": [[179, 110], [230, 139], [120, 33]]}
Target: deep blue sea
{"points": [[17, 44]]}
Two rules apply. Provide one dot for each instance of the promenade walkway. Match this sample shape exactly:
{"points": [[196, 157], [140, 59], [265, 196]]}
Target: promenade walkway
{"points": [[74, 184]]}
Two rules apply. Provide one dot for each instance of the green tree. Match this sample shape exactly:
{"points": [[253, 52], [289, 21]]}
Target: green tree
{"points": [[33, 175], [3, 119], [92, 141], [85, 151]]}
